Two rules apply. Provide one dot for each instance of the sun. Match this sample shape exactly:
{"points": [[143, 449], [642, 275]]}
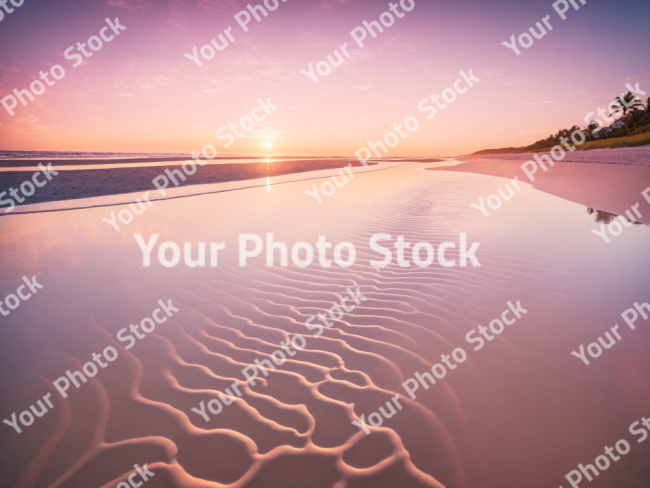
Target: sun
{"points": [[267, 144]]}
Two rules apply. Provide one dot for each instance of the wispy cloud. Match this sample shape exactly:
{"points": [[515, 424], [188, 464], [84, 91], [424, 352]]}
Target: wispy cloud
{"points": [[541, 102], [130, 5], [332, 4], [260, 133]]}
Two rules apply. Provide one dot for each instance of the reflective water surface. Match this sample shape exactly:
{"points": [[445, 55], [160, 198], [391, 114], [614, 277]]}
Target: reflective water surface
{"points": [[521, 411]]}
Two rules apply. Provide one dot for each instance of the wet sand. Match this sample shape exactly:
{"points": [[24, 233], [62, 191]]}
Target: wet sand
{"points": [[519, 412], [602, 186]]}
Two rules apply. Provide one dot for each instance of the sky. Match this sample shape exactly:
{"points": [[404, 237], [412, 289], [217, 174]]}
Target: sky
{"points": [[139, 93]]}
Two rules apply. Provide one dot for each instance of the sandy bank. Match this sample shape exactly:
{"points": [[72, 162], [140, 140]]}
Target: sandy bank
{"points": [[635, 156], [611, 187]]}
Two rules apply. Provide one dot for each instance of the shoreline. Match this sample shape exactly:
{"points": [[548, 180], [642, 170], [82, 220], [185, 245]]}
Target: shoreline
{"points": [[83, 184], [21, 162], [199, 189]]}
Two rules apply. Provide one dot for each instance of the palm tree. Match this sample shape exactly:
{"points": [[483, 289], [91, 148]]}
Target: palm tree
{"points": [[591, 127], [635, 116], [626, 102], [573, 129]]}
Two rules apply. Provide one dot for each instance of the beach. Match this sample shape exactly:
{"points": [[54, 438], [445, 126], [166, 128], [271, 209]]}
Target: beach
{"points": [[498, 419], [324, 244], [136, 175]]}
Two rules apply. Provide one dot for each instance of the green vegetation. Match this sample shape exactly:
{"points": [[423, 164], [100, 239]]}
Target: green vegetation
{"points": [[630, 141], [634, 113]]}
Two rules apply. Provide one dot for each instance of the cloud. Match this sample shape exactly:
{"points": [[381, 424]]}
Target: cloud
{"points": [[311, 39], [332, 4], [542, 102], [262, 133], [129, 5], [508, 82], [176, 5]]}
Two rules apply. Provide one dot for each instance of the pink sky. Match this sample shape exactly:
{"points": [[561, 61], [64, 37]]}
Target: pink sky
{"points": [[139, 94]]}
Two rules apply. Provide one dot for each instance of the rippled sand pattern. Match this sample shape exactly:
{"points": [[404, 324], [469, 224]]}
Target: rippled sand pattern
{"points": [[293, 428]]}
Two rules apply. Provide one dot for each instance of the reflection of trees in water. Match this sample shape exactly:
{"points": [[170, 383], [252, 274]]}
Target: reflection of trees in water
{"points": [[606, 217], [601, 215]]}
